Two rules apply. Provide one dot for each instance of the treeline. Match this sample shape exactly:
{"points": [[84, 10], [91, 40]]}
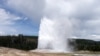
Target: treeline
{"points": [[30, 42], [19, 42], [83, 44]]}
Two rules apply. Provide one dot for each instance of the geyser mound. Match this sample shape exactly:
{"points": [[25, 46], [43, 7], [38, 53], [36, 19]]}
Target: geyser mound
{"points": [[54, 34]]}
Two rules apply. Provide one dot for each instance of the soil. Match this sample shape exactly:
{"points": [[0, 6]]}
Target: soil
{"points": [[14, 52]]}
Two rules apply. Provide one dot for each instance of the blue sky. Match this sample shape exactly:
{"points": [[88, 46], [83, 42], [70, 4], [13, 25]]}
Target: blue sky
{"points": [[12, 26]]}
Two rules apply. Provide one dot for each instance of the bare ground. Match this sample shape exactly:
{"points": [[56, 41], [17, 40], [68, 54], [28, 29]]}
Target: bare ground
{"points": [[15, 52]]}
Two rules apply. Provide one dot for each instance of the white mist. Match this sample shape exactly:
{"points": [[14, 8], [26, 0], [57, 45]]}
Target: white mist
{"points": [[54, 33]]}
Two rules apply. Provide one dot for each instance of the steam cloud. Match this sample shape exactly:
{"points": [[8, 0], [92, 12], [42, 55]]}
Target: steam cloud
{"points": [[30, 8]]}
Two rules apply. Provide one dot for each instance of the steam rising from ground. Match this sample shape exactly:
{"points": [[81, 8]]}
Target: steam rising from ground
{"points": [[54, 34], [60, 18]]}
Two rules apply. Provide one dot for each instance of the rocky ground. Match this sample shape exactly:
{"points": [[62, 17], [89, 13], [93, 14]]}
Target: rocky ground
{"points": [[15, 52]]}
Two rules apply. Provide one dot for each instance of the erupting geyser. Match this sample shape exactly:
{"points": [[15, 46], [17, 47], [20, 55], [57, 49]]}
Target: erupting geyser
{"points": [[55, 27], [54, 34]]}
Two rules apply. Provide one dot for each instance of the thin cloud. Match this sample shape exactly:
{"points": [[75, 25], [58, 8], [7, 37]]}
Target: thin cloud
{"points": [[6, 22]]}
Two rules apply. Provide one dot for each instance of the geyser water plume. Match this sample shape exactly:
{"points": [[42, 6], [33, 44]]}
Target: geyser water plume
{"points": [[56, 26], [54, 34]]}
